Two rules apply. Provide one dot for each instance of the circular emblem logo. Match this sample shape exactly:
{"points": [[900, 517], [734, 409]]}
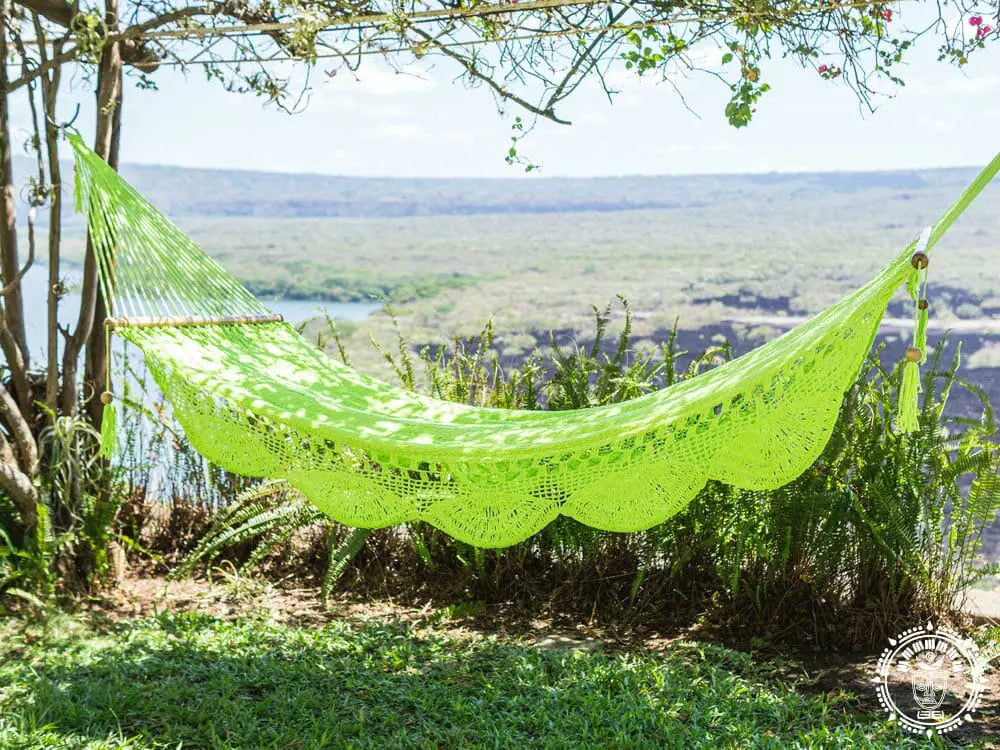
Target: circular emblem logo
{"points": [[930, 680]]}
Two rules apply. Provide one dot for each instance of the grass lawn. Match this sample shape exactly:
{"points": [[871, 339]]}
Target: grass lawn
{"points": [[195, 680]]}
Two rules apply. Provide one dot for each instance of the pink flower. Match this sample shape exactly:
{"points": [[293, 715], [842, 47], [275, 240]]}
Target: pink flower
{"points": [[887, 15], [975, 20], [822, 68]]}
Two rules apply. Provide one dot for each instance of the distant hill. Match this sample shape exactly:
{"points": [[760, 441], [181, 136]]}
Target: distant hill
{"points": [[185, 192]]}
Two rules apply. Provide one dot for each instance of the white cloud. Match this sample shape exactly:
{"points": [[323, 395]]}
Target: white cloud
{"points": [[402, 130], [380, 81], [953, 82], [592, 117], [983, 84], [937, 125]]}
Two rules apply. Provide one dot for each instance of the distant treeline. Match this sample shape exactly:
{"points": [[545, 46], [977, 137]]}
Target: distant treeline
{"points": [[234, 193]]}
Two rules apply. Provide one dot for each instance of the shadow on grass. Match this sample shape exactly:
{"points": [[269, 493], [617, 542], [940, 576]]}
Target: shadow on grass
{"points": [[194, 681]]}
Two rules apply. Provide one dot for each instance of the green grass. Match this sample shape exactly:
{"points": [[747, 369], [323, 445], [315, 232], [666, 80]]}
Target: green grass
{"points": [[194, 681]]}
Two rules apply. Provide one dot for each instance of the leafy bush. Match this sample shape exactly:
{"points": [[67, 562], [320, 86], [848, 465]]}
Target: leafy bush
{"points": [[882, 529], [69, 550], [92, 508]]}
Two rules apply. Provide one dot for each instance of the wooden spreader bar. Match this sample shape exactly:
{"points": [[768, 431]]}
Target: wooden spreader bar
{"points": [[191, 320]]}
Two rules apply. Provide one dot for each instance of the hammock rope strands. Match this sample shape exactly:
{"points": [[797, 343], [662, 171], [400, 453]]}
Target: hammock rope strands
{"points": [[260, 400]]}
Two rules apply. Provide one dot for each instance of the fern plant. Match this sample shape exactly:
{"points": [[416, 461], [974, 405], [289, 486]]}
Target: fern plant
{"points": [[76, 518], [266, 517], [79, 523], [881, 526]]}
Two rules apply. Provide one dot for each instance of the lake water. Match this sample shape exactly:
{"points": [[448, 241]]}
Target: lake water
{"points": [[35, 288]]}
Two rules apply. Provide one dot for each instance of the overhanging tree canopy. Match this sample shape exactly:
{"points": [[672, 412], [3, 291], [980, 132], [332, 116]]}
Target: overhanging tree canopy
{"points": [[532, 53]]}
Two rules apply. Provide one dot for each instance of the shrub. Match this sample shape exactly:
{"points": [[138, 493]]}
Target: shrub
{"points": [[69, 549]]}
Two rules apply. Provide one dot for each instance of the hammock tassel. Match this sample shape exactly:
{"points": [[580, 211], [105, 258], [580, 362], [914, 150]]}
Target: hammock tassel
{"points": [[907, 408], [109, 438], [906, 413]]}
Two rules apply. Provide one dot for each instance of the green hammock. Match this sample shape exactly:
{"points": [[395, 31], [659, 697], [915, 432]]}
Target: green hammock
{"points": [[257, 399]]}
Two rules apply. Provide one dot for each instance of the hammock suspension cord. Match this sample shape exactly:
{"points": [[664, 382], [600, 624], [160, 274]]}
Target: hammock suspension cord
{"points": [[907, 407]]}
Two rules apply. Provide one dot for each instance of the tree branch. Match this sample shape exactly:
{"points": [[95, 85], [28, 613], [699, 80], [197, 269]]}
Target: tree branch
{"points": [[16, 363], [13, 340], [586, 56], [500, 91], [20, 430], [29, 262], [215, 9], [57, 11], [15, 282], [53, 62], [50, 93], [133, 49], [18, 487]]}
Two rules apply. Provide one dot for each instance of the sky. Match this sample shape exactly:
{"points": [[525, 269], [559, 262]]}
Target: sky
{"points": [[425, 123]]}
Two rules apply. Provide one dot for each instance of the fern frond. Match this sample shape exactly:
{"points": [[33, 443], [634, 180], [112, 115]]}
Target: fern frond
{"points": [[341, 556]]}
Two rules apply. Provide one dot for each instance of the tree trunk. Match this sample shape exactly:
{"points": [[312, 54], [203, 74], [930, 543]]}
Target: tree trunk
{"points": [[12, 335], [20, 489], [50, 93], [19, 463], [108, 145], [90, 324], [13, 304], [18, 449]]}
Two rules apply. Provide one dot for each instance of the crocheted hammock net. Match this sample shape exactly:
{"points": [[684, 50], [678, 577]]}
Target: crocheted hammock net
{"points": [[259, 400]]}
